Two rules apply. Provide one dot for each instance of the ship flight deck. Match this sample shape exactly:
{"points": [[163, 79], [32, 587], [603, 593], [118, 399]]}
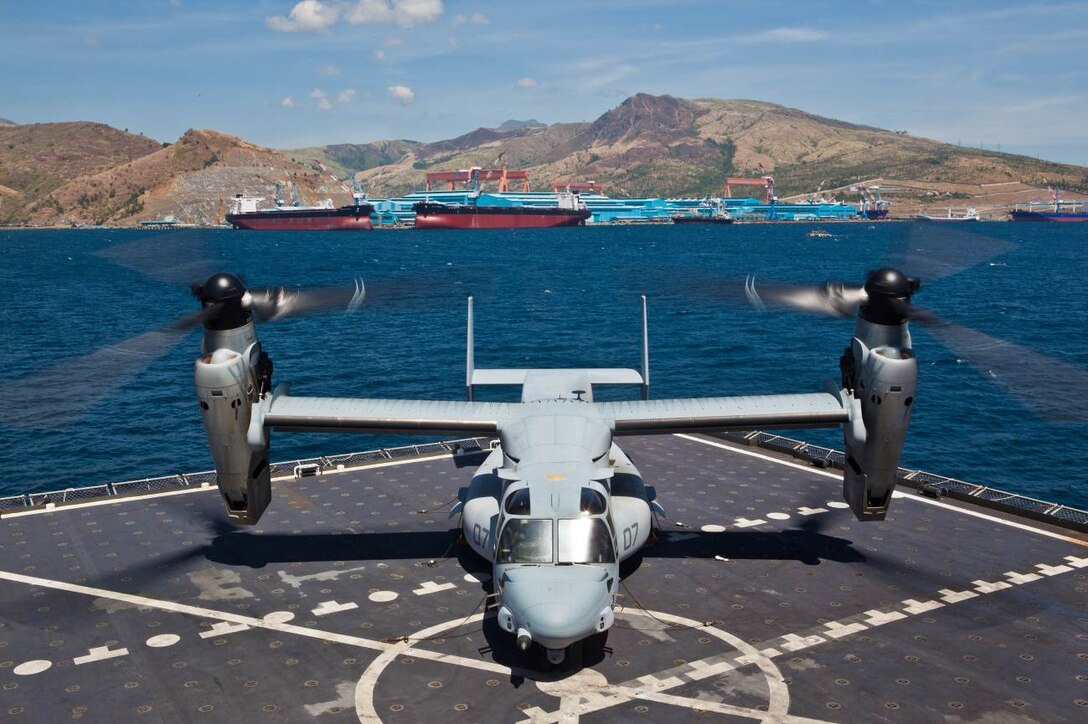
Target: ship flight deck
{"points": [[763, 599]]}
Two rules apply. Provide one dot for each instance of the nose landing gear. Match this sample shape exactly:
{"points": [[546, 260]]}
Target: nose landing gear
{"points": [[556, 656]]}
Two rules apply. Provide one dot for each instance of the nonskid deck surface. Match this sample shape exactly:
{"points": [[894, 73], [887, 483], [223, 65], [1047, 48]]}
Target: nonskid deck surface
{"points": [[763, 598]]}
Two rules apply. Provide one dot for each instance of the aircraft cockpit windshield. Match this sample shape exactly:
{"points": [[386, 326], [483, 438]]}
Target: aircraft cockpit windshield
{"points": [[592, 502], [525, 541], [585, 540], [517, 503]]}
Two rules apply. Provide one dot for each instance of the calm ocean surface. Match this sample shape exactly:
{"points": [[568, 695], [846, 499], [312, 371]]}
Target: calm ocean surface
{"points": [[547, 298]]}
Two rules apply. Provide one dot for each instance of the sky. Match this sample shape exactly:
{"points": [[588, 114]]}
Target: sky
{"points": [[1008, 76]]}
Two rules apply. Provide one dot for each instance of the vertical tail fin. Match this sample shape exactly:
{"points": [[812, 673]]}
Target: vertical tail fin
{"points": [[645, 353], [470, 361]]}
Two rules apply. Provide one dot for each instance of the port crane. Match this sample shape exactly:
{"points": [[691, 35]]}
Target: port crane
{"points": [[767, 182], [872, 206], [477, 175]]}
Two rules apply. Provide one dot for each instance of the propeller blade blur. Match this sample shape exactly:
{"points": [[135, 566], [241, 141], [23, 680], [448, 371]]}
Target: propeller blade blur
{"points": [[832, 298], [935, 251], [272, 303], [176, 257], [1053, 389], [61, 394]]}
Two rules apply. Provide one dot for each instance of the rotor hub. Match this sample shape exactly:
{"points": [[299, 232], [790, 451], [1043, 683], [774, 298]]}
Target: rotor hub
{"points": [[226, 291], [888, 292]]}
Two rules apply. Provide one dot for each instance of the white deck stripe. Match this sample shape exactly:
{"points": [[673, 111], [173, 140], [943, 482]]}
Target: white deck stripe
{"points": [[897, 494]]}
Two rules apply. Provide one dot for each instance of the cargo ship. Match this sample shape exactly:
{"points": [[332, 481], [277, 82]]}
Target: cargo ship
{"points": [[969, 215], [1020, 215], [244, 214], [1050, 211], [569, 211]]}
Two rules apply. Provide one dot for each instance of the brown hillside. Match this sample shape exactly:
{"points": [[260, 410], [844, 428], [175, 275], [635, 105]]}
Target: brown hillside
{"points": [[648, 145], [191, 180], [36, 159], [665, 146]]}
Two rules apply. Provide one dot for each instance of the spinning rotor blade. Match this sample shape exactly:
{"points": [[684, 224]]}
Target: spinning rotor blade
{"points": [[1053, 389], [274, 303], [937, 251], [836, 300], [175, 257], [61, 394]]}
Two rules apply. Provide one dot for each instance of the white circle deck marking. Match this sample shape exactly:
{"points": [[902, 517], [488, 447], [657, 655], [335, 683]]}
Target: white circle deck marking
{"points": [[581, 684], [383, 596], [837, 504], [712, 528], [29, 668], [477, 577], [279, 617], [778, 516], [776, 709], [163, 640]]}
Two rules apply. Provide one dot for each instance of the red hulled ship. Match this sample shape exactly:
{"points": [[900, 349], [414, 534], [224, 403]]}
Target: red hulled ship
{"points": [[568, 211], [430, 215], [245, 215]]}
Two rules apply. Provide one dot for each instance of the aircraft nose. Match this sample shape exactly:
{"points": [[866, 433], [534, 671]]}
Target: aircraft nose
{"points": [[558, 606]]}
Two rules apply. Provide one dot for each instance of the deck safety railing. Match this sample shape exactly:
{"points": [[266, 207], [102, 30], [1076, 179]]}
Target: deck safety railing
{"points": [[207, 478], [930, 484]]}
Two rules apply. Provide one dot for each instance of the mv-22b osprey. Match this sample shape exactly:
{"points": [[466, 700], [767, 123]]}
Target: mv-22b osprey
{"points": [[557, 505]]}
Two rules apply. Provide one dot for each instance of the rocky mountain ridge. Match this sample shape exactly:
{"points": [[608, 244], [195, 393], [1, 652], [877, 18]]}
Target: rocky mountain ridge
{"points": [[83, 173]]}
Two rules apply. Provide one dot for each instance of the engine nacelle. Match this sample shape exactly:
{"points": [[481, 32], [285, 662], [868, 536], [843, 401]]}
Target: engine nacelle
{"points": [[229, 381], [881, 371]]}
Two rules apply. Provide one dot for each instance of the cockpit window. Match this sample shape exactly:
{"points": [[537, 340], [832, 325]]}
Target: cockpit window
{"points": [[525, 541], [592, 502], [585, 540], [517, 503]]}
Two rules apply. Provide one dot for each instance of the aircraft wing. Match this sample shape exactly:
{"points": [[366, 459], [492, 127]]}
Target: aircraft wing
{"points": [[348, 414], [639, 417]]}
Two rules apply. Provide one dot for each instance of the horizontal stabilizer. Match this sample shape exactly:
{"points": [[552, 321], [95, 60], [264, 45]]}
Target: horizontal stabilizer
{"points": [[597, 376]]}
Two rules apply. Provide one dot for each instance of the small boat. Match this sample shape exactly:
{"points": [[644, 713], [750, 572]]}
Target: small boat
{"points": [[820, 234], [968, 215], [701, 219], [709, 211]]}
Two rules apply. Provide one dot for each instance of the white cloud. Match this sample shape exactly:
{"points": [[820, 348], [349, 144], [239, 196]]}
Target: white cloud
{"points": [[527, 83], [328, 70], [322, 98], [401, 94], [405, 13], [379, 54], [288, 102], [392, 42], [475, 19], [306, 16], [346, 96], [788, 35], [92, 42]]}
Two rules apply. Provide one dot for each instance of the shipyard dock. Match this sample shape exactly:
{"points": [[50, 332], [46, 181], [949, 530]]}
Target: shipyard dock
{"points": [[763, 599]]}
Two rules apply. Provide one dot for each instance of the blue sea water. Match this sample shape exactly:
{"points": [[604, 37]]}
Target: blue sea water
{"points": [[547, 298]]}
